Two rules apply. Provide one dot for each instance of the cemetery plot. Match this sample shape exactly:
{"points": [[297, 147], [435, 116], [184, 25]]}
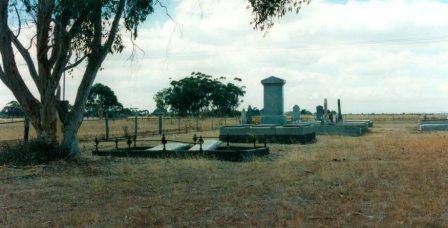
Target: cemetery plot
{"points": [[346, 128], [327, 124], [433, 125], [303, 133], [274, 127], [200, 148]]}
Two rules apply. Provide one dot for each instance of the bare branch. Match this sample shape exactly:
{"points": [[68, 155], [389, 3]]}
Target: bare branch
{"points": [[19, 21], [31, 42], [76, 63], [29, 61], [166, 9]]}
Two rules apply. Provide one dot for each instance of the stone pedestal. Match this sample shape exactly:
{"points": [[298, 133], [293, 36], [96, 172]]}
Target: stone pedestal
{"points": [[273, 112]]}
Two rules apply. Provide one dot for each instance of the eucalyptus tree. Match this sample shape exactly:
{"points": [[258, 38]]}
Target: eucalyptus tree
{"points": [[71, 33]]}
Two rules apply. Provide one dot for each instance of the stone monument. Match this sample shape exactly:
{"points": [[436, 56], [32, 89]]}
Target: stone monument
{"points": [[339, 118], [273, 127], [273, 112], [326, 117], [296, 114]]}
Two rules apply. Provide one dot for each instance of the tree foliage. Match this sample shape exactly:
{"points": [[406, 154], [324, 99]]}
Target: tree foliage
{"points": [[101, 100], [266, 11], [13, 109], [199, 92]]}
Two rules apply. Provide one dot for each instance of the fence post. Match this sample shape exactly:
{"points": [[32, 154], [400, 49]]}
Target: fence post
{"points": [[160, 124], [135, 125], [197, 123], [106, 124], [212, 124], [26, 129], [178, 124]]}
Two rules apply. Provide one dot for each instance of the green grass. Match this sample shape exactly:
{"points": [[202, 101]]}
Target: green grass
{"points": [[391, 176]]}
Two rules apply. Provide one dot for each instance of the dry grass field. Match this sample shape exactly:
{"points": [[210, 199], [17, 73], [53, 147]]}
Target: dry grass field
{"points": [[393, 176]]}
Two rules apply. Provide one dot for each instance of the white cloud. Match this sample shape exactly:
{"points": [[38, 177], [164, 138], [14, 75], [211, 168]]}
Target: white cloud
{"points": [[377, 56]]}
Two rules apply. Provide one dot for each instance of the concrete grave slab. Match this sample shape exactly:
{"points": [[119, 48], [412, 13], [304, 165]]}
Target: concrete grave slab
{"points": [[433, 127], [209, 144], [171, 146]]}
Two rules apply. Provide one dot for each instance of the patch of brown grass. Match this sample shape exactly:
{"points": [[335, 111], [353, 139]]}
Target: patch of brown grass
{"points": [[391, 176]]}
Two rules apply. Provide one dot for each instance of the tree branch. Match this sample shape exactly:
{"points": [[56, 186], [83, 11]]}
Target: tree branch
{"points": [[19, 21], [75, 64], [11, 75], [2, 73], [95, 59], [44, 10], [114, 29], [29, 61]]}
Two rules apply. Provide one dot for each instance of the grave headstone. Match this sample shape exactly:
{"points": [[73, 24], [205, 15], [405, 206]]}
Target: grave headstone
{"points": [[319, 112], [296, 113], [243, 117], [273, 112], [330, 117], [326, 117], [249, 114]]}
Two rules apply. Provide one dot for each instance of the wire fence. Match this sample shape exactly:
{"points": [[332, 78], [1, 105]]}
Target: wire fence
{"points": [[12, 130], [142, 126]]}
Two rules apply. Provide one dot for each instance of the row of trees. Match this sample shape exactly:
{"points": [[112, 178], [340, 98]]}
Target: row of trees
{"points": [[200, 93], [102, 101]]}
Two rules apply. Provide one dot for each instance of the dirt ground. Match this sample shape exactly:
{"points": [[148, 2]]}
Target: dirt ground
{"points": [[391, 176]]}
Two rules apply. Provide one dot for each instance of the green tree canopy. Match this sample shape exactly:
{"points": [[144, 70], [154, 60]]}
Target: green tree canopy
{"points": [[13, 109], [101, 100], [200, 92]]}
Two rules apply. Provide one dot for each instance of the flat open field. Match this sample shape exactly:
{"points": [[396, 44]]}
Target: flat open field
{"points": [[392, 176]]}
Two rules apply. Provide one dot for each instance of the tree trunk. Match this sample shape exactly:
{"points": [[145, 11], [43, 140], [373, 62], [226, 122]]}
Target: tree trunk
{"points": [[69, 142], [49, 123], [26, 129]]}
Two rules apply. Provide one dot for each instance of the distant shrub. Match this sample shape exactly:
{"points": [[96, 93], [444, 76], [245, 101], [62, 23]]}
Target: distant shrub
{"points": [[34, 152]]}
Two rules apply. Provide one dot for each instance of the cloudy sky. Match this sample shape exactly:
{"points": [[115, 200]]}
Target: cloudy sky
{"points": [[376, 56]]}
